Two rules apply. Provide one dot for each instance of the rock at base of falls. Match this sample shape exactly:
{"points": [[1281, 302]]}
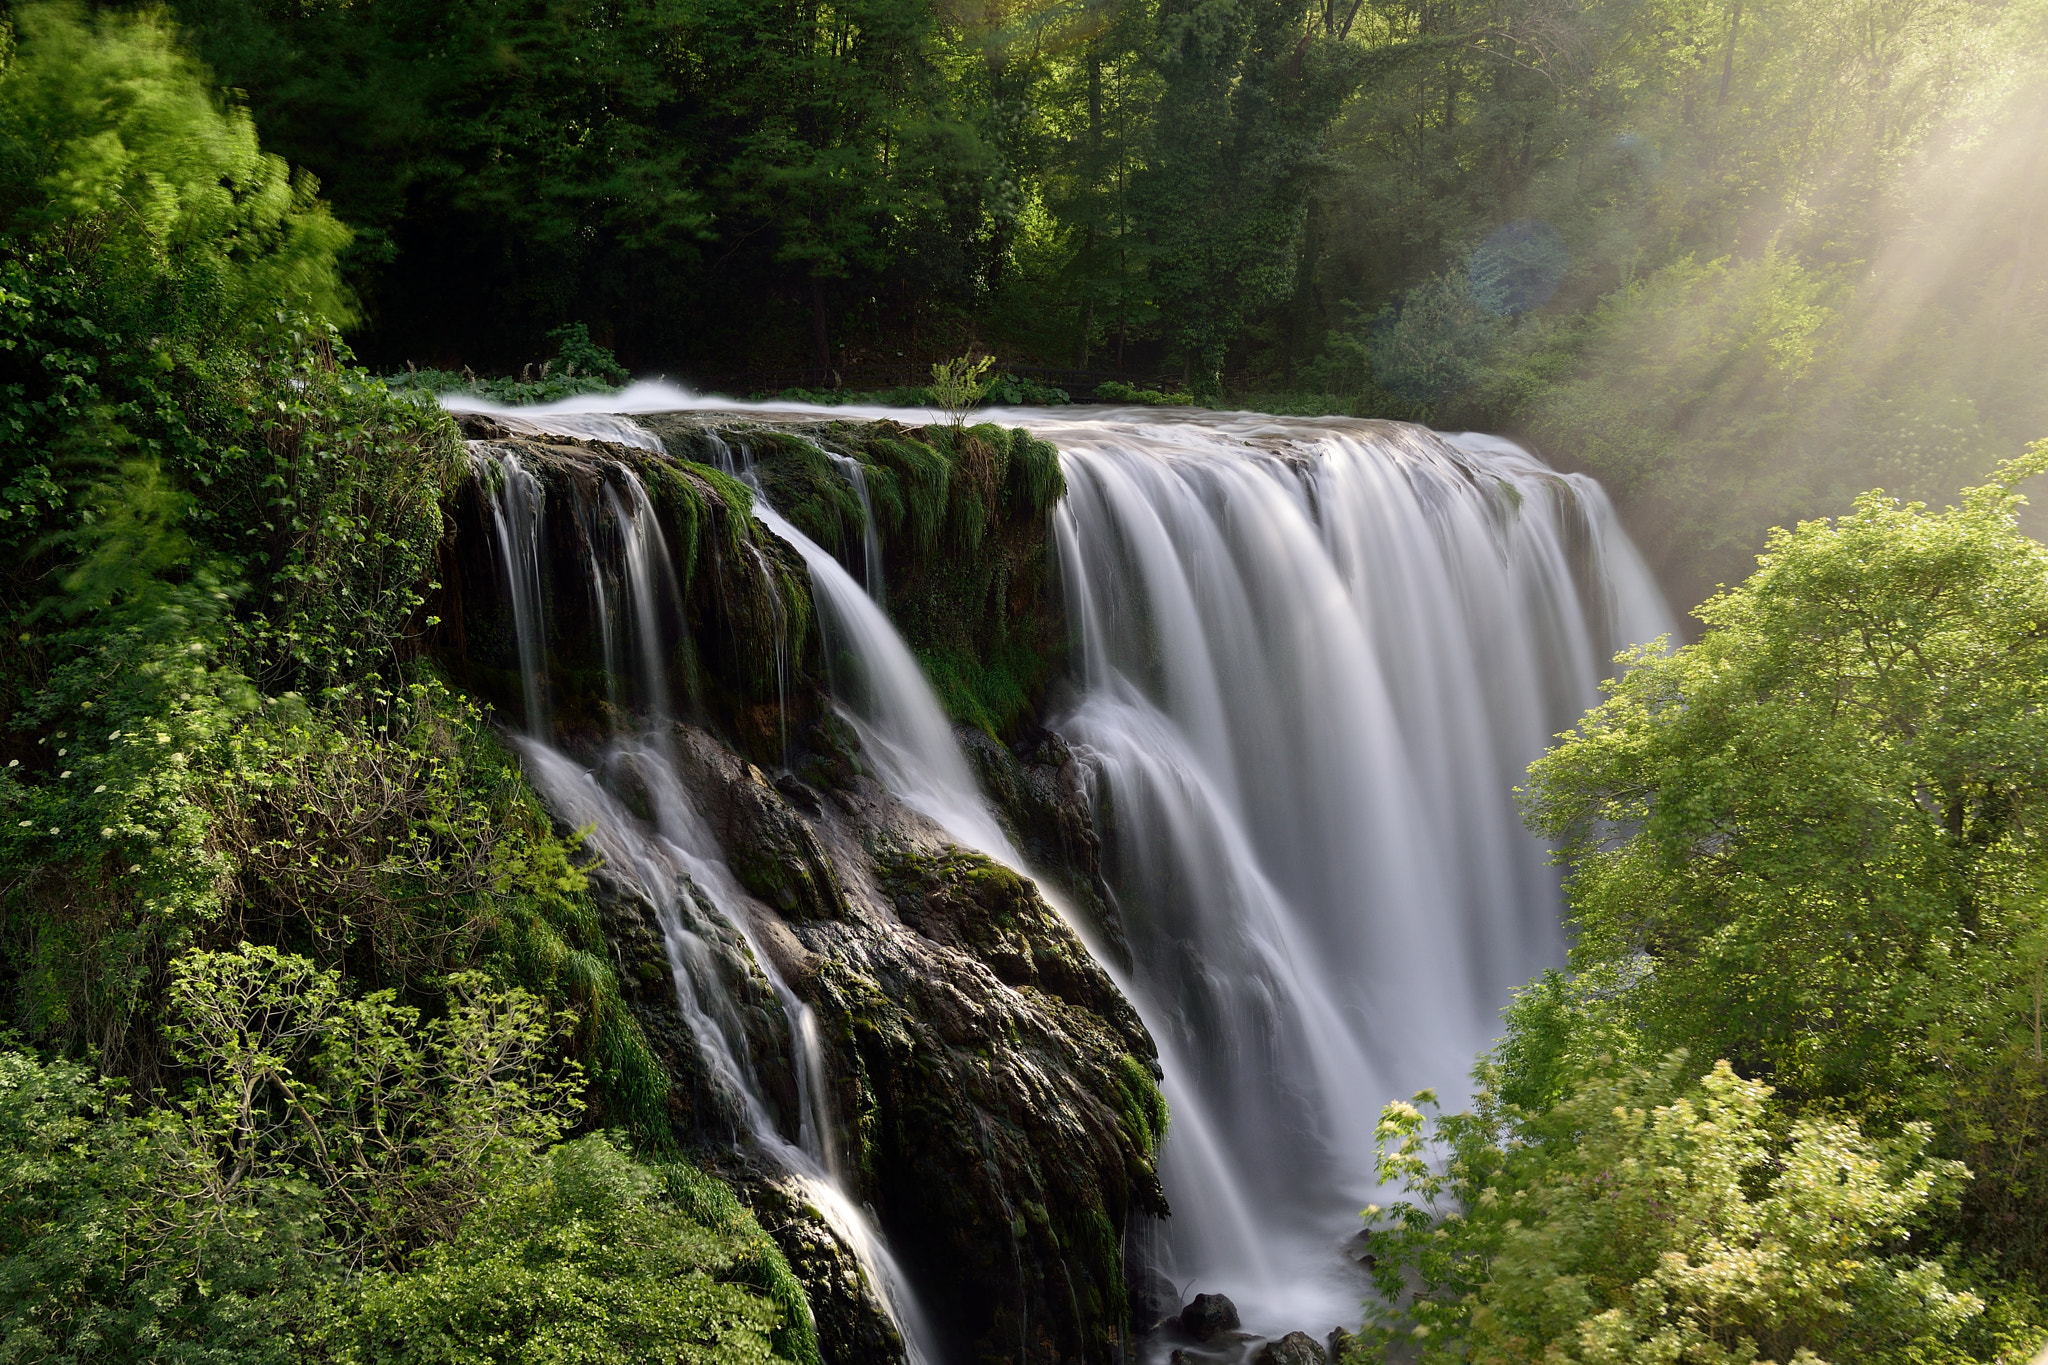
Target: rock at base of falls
{"points": [[1155, 1300], [1296, 1348], [1207, 1316], [993, 1095]]}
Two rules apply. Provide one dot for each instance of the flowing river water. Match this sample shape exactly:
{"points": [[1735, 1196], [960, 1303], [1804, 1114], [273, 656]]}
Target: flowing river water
{"points": [[1312, 658]]}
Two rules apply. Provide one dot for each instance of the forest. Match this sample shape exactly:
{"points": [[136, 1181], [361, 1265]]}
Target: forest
{"points": [[1738, 265], [321, 1038]]}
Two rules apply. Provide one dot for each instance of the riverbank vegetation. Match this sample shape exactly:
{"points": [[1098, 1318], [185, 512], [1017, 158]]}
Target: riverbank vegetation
{"points": [[1791, 1096], [312, 1044]]}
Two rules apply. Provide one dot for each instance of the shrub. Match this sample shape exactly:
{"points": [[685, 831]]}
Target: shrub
{"points": [[1647, 1216]]}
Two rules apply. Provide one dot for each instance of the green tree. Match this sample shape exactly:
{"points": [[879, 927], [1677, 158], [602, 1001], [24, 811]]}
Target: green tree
{"points": [[1649, 1216], [1810, 843]]}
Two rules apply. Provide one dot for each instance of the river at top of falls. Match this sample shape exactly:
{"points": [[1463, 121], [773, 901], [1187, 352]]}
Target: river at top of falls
{"points": [[1312, 659]]}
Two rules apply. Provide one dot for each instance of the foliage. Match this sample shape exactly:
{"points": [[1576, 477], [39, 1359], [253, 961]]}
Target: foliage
{"points": [[1115, 391], [115, 154], [99, 1260], [1815, 833], [581, 1259], [1650, 1216], [225, 1227], [220, 539], [957, 385], [202, 1230], [400, 1121], [602, 373]]}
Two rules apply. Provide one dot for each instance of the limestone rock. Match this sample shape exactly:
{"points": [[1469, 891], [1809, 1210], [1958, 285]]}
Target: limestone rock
{"points": [[1155, 1300]]}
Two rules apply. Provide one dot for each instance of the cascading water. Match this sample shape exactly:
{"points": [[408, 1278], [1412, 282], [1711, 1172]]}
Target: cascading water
{"points": [[1312, 660], [669, 855], [516, 507]]}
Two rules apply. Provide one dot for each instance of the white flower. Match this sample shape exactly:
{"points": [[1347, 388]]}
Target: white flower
{"points": [[162, 738], [106, 831], [64, 774], [135, 867], [26, 823], [100, 788]]}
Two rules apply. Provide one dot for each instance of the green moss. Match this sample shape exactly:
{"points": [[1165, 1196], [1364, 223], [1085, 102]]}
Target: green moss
{"points": [[1144, 1105], [800, 481]]}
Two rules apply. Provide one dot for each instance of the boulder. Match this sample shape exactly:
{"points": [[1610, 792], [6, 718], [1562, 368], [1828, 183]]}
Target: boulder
{"points": [[992, 1095], [1208, 1315], [1155, 1300], [1296, 1348]]}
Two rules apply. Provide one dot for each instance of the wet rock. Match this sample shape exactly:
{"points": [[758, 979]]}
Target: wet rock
{"points": [[736, 613], [1040, 791], [1296, 1348], [702, 1106], [1154, 1300], [1207, 1316], [846, 1308], [993, 1096], [768, 843], [1341, 1343]]}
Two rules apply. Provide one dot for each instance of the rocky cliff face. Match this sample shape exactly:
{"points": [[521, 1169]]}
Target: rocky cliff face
{"points": [[991, 1096], [994, 1097]]}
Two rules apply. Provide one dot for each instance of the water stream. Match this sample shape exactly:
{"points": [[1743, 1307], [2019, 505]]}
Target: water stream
{"points": [[669, 854], [1312, 658]]}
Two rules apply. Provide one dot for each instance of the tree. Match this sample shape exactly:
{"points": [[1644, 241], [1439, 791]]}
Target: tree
{"points": [[1811, 842], [1652, 1217]]}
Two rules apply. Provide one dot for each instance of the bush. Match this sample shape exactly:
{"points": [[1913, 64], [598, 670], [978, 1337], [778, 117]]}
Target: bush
{"points": [[1812, 842], [1116, 391], [584, 367], [1649, 1216], [581, 1259]]}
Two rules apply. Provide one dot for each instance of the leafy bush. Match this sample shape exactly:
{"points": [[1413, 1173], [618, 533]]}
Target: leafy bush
{"points": [[600, 372], [1007, 390], [1818, 833], [1116, 391], [317, 1132], [116, 156], [1649, 1216], [581, 1259], [345, 1178]]}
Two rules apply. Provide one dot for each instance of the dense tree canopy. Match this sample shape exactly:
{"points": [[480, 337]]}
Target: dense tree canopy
{"points": [[1740, 262]]}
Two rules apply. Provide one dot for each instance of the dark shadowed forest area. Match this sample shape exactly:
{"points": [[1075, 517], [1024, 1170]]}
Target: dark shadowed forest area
{"points": [[1739, 263]]}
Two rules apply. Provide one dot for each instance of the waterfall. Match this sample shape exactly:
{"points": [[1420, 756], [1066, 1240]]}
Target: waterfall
{"points": [[517, 504], [669, 855], [903, 730], [1312, 659]]}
